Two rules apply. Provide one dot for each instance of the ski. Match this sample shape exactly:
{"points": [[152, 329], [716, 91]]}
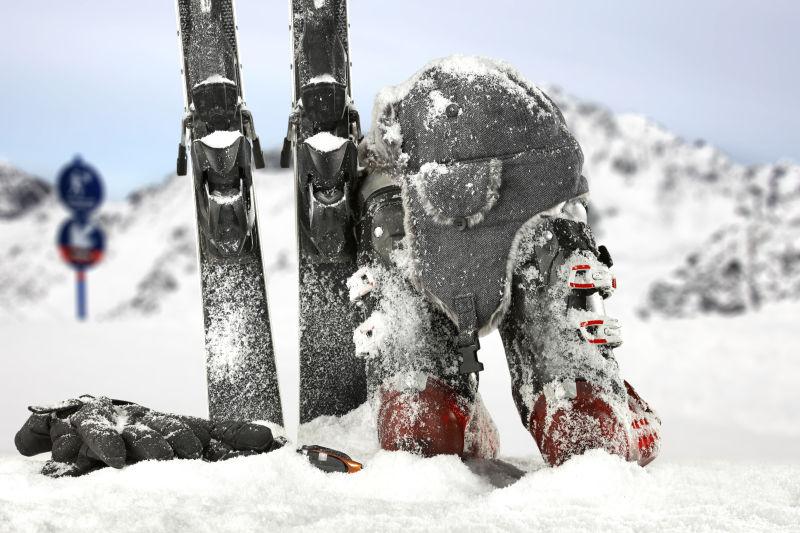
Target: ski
{"points": [[219, 135], [321, 143]]}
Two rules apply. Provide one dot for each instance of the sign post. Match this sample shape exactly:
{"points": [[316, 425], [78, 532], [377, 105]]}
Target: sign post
{"points": [[81, 245], [81, 294], [80, 241]]}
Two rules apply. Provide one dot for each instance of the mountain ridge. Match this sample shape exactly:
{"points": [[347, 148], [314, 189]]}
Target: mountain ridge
{"points": [[679, 216]]}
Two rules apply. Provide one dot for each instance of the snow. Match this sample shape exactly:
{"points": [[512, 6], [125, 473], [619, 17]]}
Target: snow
{"points": [[323, 78], [216, 78], [221, 139], [400, 492], [437, 106], [325, 142]]}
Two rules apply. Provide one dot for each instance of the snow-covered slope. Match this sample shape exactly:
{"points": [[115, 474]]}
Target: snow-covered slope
{"points": [[150, 265], [399, 492], [703, 232]]}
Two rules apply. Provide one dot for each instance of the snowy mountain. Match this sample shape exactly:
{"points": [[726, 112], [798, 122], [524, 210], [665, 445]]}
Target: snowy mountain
{"points": [[707, 234], [690, 230], [20, 192]]}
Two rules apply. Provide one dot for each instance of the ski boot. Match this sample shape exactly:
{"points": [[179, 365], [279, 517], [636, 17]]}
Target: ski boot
{"points": [[435, 421], [560, 343], [567, 421]]}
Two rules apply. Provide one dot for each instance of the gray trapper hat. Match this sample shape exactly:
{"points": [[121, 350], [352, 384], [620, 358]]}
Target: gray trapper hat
{"points": [[478, 152]]}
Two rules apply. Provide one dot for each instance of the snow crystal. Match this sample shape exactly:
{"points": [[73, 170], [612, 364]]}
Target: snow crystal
{"points": [[325, 142], [225, 199], [323, 78], [216, 78], [402, 332], [221, 139], [392, 134], [437, 107], [121, 419]]}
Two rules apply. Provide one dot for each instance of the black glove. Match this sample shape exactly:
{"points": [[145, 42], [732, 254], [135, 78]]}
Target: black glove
{"points": [[88, 433]]}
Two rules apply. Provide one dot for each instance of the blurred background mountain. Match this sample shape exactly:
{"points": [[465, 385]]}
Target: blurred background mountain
{"points": [[693, 231]]}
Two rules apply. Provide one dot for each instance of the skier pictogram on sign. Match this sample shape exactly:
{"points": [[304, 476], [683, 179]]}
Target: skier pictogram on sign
{"points": [[80, 188]]}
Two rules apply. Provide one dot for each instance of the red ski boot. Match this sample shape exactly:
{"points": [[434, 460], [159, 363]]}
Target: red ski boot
{"points": [[434, 421], [568, 423], [645, 428]]}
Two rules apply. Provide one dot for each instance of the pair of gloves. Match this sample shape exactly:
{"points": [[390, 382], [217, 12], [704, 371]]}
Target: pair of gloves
{"points": [[88, 433]]}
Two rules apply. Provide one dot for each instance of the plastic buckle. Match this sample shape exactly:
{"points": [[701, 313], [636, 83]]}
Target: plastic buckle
{"points": [[602, 331], [585, 277], [361, 284], [369, 335], [468, 346]]}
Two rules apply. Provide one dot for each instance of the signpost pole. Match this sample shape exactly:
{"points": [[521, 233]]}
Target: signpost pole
{"points": [[80, 276]]}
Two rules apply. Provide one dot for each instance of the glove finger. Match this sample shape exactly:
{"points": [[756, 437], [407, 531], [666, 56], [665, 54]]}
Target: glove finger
{"points": [[66, 448], [56, 469], [200, 428], [83, 464], [87, 461], [66, 441], [145, 443], [95, 423], [244, 436], [180, 437], [219, 451], [34, 436]]}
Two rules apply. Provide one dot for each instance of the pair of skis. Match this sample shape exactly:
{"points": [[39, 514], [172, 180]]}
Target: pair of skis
{"points": [[219, 137]]}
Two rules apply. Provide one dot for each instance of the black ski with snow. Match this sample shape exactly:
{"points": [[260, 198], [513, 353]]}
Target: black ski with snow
{"points": [[218, 132], [323, 132]]}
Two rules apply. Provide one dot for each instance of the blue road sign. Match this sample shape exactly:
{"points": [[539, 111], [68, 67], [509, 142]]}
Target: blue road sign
{"points": [[81, 244], [80, 188]]}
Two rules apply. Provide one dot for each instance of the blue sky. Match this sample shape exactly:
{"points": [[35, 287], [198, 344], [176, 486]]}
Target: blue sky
{"points": [[101, 78]]}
